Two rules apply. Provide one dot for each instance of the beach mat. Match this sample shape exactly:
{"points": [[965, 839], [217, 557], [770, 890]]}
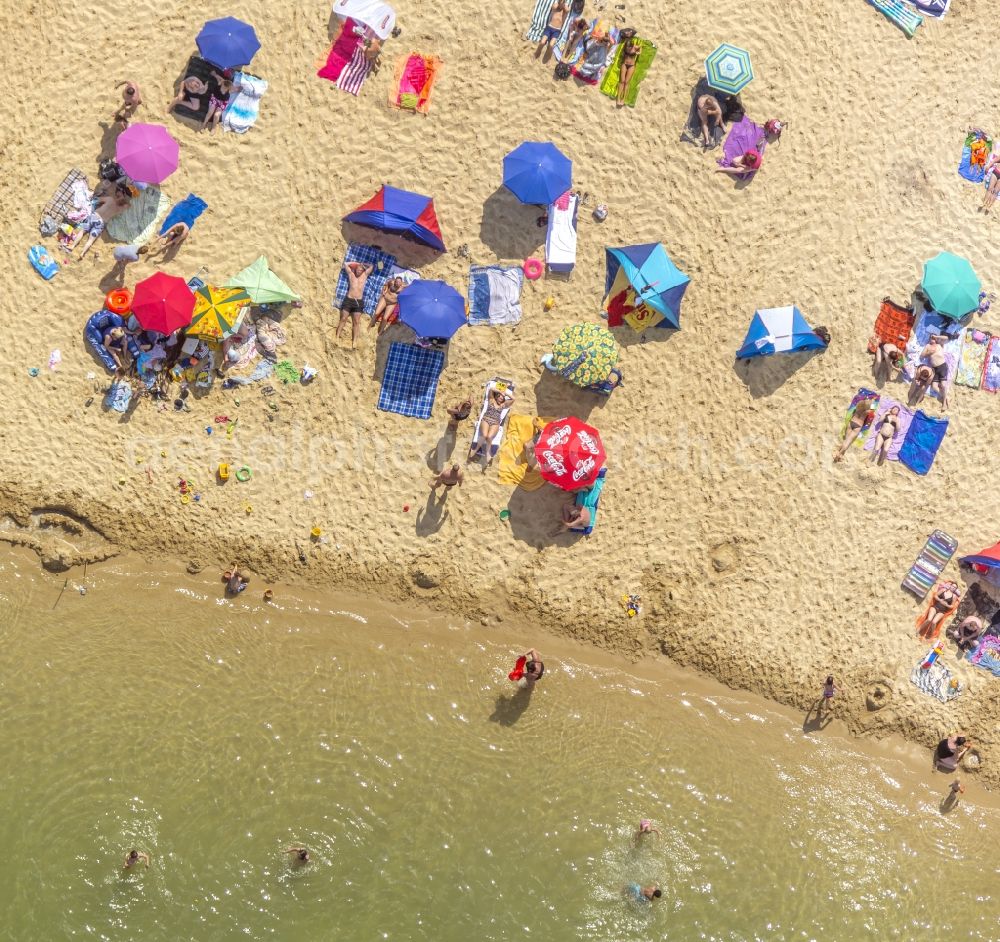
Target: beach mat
{"points": [[991, 372], [495, 295], [539, 20], [972, 363], [61, 201], [986, 655], [591, 66], [512, 467], [341, 52], [199, 68], [905, 17], [243, 107], [137, 223], [922, 441], [413, 82], [744, 135], [936, 681], [410, 380], [609, 84], [930, 563], [905, 417], [893, 324], [866, 428], [975, 153], [366, 255]]}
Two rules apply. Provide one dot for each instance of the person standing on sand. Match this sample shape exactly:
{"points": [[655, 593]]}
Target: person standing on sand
{"points": [[357, 278], [450, 477], [459, 412], [131, 99], [133, 857], [830, 690]]}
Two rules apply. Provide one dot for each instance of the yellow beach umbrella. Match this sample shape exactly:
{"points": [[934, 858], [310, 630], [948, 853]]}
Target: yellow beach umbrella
{"points": [[218, 312], [585, 353]]}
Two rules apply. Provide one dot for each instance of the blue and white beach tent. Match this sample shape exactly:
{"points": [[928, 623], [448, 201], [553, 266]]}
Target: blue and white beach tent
{"points": [[778, 330]]}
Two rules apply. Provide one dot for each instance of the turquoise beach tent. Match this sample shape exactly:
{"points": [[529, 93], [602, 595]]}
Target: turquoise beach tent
{"points": [[657, 282], [778, 330]]}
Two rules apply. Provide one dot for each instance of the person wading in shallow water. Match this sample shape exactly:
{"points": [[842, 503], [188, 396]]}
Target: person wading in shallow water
{"points": [[133, 857]]}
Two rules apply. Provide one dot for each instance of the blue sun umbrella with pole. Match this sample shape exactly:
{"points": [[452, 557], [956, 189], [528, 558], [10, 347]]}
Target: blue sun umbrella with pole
{"points": [[537, 173], [432, 308]]}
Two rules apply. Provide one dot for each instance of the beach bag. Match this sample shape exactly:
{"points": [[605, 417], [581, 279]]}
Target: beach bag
{"points": [[562, 71], [110, 170]]}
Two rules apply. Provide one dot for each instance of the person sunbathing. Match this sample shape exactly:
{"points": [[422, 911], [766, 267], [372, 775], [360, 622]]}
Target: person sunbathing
{"points": [[747, 162], [553, 28], [886, 433], [934, 352], [116, 343], [131, 99], [710, 111], [496, 402], [577, 30], [864, 412], [193, 89], [967, 634], [889, 360], [630, 56], [922, 379], [992, 176], [944, 601], [217, 103], [387, 309], [353, 306], [574, 517], [110, 200]]}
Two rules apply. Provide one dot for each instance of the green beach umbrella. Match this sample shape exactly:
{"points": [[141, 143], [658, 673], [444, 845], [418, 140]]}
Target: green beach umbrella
{"points": [[585, 353], [951, 285], [728, 69], [262, 284]]}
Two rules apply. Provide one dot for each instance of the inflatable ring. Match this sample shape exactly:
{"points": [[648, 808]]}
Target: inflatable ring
{"points": [[185, 498], [533, 269], [244, 474], [118, 301]]}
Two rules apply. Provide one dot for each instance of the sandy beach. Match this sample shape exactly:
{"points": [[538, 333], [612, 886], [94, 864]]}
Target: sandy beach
{"points": [[758, 560]]}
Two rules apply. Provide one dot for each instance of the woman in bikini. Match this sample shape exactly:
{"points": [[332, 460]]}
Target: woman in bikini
{"points": [[192, 90], [217, 102], [863, 413], [387, 310], [993, 186], [497, 401], [944, 602], [886, 433], [630, 56], [709, 109]]}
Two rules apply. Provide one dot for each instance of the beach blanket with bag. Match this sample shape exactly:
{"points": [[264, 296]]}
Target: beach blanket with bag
{"points": [[410, 380], [936, 681], [893, 324], [972, 364], [930, 563], [991, 372], [495, 295], [975, 154], [866, 428], [382, 263], [413, 82], [905, 417], [744, 135], [609, 84], [243, 107], [922, 441]]}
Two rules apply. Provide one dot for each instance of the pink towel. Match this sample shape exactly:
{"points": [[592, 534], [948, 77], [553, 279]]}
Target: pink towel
{"points": [[414, 76], [355, 72], [341, 53], [905, 418], [563, 201]]}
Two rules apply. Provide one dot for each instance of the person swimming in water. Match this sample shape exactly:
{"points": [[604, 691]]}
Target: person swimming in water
{"points": [[642, 894], [133, 857], [300, 855], [645, 827]]}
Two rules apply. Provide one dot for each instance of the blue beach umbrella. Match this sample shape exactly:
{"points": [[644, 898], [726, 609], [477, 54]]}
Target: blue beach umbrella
{"points": [[432, 308], [537, 173], [228, 42], [643, 276], [729, 69]]}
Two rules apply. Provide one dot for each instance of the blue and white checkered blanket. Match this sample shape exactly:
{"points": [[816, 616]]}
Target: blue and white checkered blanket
{"points": [[366, 255], [494, 295], [410, 380]]}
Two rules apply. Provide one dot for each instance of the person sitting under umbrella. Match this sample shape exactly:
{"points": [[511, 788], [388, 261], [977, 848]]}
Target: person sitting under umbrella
{"points": [[710, 112]]}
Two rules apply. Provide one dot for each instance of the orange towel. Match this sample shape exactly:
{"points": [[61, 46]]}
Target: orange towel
{"points": [[893, 325], [413, 82], [932, 634]]}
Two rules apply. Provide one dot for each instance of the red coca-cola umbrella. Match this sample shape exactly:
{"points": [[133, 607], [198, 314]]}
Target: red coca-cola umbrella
{"points": [[570, 454]]}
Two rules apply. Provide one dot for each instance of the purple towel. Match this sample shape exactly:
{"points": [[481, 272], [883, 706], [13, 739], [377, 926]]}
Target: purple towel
{"points": [[902, 430], [743, 136], [922, 442]]}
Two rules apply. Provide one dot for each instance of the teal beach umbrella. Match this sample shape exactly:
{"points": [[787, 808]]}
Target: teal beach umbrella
{"points": [[728, 69], [951, 285]]}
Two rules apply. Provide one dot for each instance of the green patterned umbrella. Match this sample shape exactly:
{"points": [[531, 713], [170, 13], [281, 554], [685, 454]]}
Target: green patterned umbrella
{"points": [[585, 353]]}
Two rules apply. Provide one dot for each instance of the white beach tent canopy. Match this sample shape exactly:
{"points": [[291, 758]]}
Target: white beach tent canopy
{"points": [[379, 17], [778, 330]]}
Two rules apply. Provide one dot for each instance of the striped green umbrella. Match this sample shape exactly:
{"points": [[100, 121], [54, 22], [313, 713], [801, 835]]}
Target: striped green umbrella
{"points": [[729, 69], [951, 285], [585, 353]]}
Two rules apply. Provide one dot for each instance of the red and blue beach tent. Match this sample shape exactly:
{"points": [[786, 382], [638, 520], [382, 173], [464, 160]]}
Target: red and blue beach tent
{"points": [[986, 562], [401, 211]]}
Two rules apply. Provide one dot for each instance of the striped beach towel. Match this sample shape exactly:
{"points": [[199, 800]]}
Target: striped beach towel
{"points": [[410, 380], [341, 52], [972, 363], [936, 681], [902, 14], [355, 72], [991, 374], [367, 255], [495, 295], [930, 563], [539, 20]]}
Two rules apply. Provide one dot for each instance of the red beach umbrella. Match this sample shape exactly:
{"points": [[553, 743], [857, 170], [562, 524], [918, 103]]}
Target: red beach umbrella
{"points": [[163, 303], [570, 453]]}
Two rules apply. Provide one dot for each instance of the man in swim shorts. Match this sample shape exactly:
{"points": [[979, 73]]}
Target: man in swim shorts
{"points": [[353, 307], [553, 28], [642, 894], [934, 353]]}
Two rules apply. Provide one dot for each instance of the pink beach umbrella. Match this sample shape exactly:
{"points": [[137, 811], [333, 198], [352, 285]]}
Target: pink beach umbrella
{"points": [[147, 153]]}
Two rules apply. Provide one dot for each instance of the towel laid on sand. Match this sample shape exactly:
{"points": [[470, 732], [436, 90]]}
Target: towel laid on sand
{"points": [[927, 323], [137, 223], [495, 295], [561, 235], [892, 325], [935, 8], [62, 201], [539, 19], [905, 417], [609, 84], [512, 463], [991, 373], [744, 135], [972, 364], [341, 52], [119, 396], [366, 255], [866, 428], [597, 56], [244, 103], [986, 655], [413, 82], [922, 442], [930, 563], [410, 381], [975, 153], [935, 680], [905, 17], [355, 72]]}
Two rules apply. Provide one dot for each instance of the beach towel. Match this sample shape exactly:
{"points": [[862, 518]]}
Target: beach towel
{"points": [[495, 295], [561, 236], [187, 211], [609, 84], [494, 445], [905, 17], [539, 20], [905, 417], [199, 68], [366, 255], [410, 381], [42, 262], [744, 135], [244, 103], [935, 8], [943, 622], [138, 222], [935, 680], [62, 201], [413, 82], [986, 655], [930, 563], [975, 153], [922, 442], [119, 396], [866, 428], [591, 499], [341, 52], [991, 372], [972, 363], [596, 57], [892, 325], [512, 465], [355, 72], [928, 323], [263, 370]]}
